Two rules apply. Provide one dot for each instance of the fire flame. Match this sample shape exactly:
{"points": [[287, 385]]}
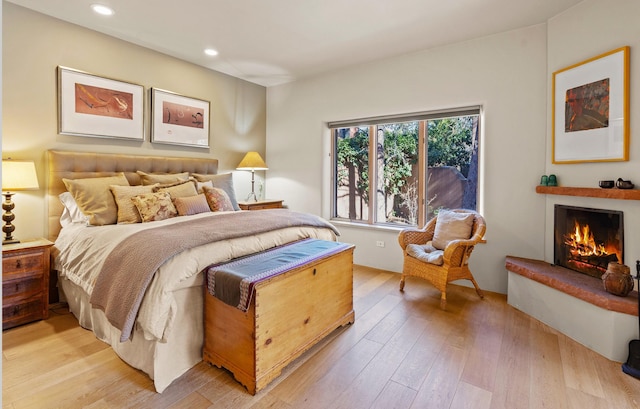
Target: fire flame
{"points": [[582, 243]]}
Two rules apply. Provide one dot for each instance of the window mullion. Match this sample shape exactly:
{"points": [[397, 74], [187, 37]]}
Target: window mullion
{"points": [[422, 173], [373, 173]]}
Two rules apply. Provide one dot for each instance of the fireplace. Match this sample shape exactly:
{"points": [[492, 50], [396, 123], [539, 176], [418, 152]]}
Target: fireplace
{"points": [[586, 240]]}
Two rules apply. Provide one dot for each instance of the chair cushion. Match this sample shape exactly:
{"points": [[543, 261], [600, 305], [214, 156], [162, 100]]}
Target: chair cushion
{"points": [[426, 253], [452, 226]]}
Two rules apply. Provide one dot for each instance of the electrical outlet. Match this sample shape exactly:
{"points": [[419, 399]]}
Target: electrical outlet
{"points": [[380, 243]]}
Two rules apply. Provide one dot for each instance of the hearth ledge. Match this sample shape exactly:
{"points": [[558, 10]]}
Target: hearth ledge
{"points": [[574, 304], [582, 286]]}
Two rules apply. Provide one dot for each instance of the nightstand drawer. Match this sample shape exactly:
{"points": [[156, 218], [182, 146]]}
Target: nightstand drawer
{"points": [[260, 205], [21, 313], [264, 206], [20, 263], [15, 290], [25, 282]]}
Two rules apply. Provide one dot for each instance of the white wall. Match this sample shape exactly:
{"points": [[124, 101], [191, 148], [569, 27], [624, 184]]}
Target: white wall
{"points": [[504, 73], [35, 44], [582, 32]]}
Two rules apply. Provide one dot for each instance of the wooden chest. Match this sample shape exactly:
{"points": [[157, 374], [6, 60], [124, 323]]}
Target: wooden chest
{"points": [[288, 314], [25, 282]]}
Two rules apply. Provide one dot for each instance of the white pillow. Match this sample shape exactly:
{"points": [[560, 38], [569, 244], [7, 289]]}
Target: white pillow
{"points": [[222, 181], [452, 226], [71, 212], [200, 185]]}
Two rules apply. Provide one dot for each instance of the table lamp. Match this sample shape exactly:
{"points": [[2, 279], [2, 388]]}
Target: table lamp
{"points": [[252, 161], [16, 175]]}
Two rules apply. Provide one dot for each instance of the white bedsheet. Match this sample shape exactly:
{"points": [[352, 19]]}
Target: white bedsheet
{"points": [[81, 250]]}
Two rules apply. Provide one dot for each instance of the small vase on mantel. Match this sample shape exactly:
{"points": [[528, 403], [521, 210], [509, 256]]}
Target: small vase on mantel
{"points": [[617, 279]]}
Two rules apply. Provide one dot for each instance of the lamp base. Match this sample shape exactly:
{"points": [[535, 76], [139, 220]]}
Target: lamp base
{"points": [[8, 217], [252, 197]]}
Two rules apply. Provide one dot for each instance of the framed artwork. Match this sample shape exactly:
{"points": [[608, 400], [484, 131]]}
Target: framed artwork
{"points": [[179, 120], [591, 110], [89, 105]]}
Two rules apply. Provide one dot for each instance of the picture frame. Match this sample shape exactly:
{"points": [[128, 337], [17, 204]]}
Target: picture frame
{"points": [[95, 106], [179, 120], [590, 110]]}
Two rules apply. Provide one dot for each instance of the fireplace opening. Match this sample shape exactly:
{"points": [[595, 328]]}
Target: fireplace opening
{"points": [[587, 240]]}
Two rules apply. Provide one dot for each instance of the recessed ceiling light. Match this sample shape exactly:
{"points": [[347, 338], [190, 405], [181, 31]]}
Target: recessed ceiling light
{"points": [[103, 10], [211, 52]]}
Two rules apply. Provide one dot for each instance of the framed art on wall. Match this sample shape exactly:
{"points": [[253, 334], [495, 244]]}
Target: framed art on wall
{"points": [[179, 120], [591, 110], [89, 105]]}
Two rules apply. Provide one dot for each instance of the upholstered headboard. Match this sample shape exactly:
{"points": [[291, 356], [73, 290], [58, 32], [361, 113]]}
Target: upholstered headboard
{"points": [[75, 165]]}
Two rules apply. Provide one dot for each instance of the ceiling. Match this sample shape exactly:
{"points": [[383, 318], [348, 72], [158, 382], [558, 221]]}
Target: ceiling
{"points": [[270, 42]]}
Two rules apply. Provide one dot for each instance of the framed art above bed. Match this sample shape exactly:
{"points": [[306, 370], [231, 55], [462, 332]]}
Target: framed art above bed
{"points": [[89, 105], [179, 120]]}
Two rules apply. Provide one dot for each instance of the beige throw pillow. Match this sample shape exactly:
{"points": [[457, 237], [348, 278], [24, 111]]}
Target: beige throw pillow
{"points": [[452, 226], [186, 206], [127, 212], [179, 189], [94, 197], [164, 178]]}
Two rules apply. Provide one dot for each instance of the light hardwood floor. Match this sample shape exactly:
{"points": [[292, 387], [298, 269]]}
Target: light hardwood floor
{"points": [[402, 352]]}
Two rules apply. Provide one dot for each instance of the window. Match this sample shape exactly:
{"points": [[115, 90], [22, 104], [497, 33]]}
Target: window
{"points": [[402, 170]]}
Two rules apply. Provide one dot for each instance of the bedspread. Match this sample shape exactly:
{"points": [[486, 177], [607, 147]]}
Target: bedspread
{"points": [[82, 251]]}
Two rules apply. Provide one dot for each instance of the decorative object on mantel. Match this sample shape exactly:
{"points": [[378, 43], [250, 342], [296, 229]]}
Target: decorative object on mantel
{"points": [[590, 110], [624, 184], [544, 180], [606, 184], [617, 279], [553, 180]]}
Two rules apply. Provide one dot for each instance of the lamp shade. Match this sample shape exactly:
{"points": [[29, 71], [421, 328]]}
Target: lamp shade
{"points": [[19, 175], [252, 161]]}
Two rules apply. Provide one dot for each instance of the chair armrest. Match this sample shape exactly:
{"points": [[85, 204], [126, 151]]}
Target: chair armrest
{"points": [[458, 251], [414, 236]]}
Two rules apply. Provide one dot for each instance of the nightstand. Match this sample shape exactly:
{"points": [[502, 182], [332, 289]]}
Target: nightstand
{"points": [[25, 282], [261, 204]]}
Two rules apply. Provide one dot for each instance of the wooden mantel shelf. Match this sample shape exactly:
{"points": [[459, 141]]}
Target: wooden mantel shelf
{"points": [[621, 194]]}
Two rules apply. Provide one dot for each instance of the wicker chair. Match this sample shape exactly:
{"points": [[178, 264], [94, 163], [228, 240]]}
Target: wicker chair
{"points": [[454, 259]]}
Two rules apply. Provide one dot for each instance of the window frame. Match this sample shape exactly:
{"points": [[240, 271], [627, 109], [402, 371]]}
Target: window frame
{"points": [[372, 124]]}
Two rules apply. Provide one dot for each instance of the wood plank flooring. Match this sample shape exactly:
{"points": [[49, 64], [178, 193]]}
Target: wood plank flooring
{"points": [[402, 352]]}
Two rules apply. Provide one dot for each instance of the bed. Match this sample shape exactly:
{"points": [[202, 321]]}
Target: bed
{"points": [[161, 331]]}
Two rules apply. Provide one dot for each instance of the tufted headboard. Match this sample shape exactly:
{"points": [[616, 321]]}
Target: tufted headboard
{"points": [[76, 165]]}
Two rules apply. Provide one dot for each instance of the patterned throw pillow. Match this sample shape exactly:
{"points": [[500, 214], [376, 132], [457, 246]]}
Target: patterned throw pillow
{"points": [[222, 181], [154, 206], [127, 212], [218, 199], [187, 206]]}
